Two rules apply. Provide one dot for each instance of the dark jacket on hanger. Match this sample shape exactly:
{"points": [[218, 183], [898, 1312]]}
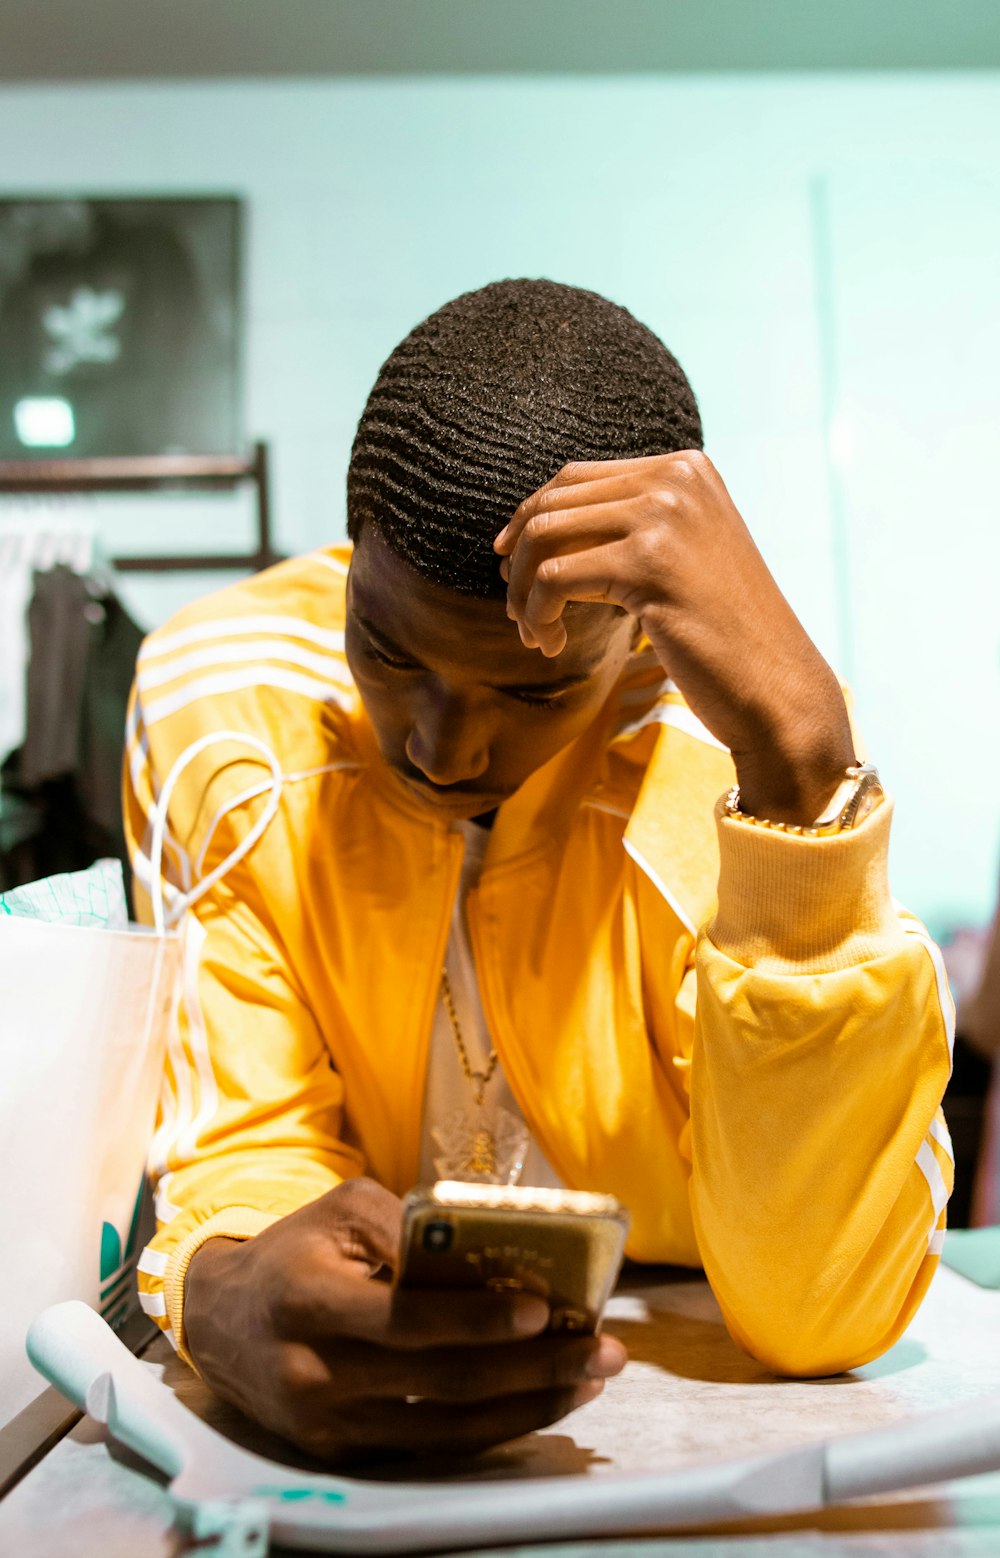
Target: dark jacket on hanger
{"points": [[64, 780]]}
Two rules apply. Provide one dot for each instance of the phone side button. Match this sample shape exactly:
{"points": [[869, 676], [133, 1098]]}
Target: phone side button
{"points": [[568, 1320]]}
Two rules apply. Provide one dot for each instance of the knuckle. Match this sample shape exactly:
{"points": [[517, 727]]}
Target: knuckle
{"points": [[537, 528], [360, 1191], [662, 504], [690, 464], [370, 1214], [648, 543], [298, 1373], [360, 1185], [549, 573]]}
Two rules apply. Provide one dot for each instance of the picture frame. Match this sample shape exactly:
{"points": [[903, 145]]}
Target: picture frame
{"points": [[121, 326]]}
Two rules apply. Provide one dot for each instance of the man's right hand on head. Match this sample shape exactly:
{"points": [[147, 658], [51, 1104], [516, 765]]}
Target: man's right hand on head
{"points": [[296, 1328]]}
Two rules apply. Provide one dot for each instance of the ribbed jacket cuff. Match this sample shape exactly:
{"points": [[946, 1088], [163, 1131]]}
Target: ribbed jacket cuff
{"points": [[793, 904], [232, 1222]]}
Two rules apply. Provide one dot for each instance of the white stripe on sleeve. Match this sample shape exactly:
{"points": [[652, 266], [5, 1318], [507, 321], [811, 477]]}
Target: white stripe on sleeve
{"points": [[243, 652], [930, 1168], [237, 681], [152, 1263], [166, 1211], [660, 885], [680, 717], [333, 563], [240, 627], [939, 1131]]}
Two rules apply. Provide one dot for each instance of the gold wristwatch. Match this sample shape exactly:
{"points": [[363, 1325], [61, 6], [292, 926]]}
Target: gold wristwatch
{"points": [[857, 796]]}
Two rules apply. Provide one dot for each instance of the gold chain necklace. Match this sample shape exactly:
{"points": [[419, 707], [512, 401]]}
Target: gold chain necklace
{"points": [[478, 1144], [480, 1079]]}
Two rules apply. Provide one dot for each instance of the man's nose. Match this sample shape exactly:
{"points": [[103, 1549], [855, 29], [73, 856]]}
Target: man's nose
{"points": [[446, 741]]}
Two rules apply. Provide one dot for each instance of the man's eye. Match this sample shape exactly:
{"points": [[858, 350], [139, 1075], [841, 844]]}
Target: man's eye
{"points": [[555, 701], [393, 661]]}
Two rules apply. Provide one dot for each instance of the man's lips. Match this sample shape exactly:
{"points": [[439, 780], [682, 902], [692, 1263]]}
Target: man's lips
{"points": [[446, 797]]}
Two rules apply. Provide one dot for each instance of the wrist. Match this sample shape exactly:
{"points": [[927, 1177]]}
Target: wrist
{"points": [[208, 1274], [798, 795], [853, 801], [207, 1264], [208, 1255], [786, 726], [792, 773]]}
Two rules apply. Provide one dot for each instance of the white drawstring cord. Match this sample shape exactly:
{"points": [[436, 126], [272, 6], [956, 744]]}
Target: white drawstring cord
{"points": [[158, 815]]}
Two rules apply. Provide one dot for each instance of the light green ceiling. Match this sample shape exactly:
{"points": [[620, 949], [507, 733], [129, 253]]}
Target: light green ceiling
{"points": [[94, 39]]}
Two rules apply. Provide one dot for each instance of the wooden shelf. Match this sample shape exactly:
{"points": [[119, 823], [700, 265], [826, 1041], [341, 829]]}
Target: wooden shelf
{"points": [[147, 473]]}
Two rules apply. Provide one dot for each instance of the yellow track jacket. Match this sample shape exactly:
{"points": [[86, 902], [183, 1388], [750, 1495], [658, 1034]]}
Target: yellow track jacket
{"points": [[733, 1030]]}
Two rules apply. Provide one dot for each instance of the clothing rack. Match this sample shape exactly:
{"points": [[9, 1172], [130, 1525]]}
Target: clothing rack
{"points": [[148, 473]]}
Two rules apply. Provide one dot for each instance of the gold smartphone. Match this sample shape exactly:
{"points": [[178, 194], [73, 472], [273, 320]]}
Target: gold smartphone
{"points": [[566, 1245]]}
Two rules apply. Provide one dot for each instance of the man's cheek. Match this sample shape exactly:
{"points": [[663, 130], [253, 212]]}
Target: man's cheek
{"points": [[388, 720]]}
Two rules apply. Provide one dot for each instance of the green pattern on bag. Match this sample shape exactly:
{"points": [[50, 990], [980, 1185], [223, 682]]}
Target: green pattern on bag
{"points": [[118, 1271], [111, 1251]]}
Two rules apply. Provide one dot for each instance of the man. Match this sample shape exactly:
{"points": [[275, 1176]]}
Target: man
{"points": [[452, 924]]}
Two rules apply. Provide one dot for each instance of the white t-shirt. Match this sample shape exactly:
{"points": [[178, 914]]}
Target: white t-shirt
{"points": [[447, 1089]]}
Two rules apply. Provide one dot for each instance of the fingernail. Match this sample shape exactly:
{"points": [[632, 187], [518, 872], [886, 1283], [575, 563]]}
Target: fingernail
{"points": [[529, 1315], [607, 1359], [586, 1391]]}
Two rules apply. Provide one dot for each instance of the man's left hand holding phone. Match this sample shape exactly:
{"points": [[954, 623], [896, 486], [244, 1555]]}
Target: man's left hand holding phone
{"points": [[297, 1327]]}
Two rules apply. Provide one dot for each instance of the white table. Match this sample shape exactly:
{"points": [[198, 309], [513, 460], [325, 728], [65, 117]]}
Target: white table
{"points": [[687, 1394]]}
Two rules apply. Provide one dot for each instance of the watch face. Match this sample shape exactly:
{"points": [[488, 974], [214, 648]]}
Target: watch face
{"points": [[863, 802]]}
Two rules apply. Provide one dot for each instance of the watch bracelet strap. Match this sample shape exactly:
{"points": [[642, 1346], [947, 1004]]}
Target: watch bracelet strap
{"points": [[860, 783]]}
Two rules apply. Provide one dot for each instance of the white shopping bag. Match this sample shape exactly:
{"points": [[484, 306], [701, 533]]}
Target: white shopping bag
{"points": [[83, 1017]]}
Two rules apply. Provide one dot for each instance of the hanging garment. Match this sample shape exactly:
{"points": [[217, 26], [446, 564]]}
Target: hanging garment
{"points": [[16, 577], [83, 648]]}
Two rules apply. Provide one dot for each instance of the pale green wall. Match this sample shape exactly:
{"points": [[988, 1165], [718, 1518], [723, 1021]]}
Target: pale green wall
{"points": [[820, 252]]}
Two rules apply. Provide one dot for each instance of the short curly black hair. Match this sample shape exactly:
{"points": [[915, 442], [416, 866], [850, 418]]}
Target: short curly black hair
{"points": [[486, 400]]}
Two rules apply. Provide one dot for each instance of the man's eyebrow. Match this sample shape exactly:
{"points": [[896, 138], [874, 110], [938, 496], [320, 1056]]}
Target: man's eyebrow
{"points": [[562, 684]]}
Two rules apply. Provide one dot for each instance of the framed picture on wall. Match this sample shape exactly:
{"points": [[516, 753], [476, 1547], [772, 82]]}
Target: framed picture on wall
{"points": [[120, 327]]}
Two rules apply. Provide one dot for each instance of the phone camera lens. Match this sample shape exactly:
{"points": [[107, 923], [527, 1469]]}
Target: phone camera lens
{"points": [[438, 1237]]}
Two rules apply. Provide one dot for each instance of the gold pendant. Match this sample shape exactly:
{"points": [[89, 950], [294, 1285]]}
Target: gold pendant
{"points": [[486, 1145], [483, 1158]]}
